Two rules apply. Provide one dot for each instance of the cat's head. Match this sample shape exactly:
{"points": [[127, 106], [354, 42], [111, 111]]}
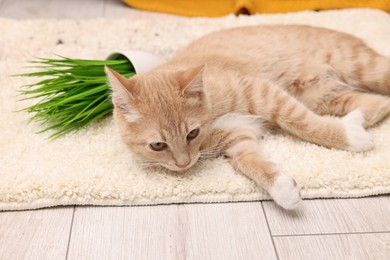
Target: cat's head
{"points": [[162, 116]]}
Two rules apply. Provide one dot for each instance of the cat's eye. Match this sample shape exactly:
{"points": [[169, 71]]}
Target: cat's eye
{"points": [[193, 134], [158, 146]]}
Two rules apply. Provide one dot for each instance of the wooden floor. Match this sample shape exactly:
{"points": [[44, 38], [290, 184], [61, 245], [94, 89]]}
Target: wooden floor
{"points": [[320, 229]]}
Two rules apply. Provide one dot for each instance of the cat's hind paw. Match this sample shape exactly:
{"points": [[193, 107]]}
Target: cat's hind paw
{"points": [[358, 138], [285, 192]]}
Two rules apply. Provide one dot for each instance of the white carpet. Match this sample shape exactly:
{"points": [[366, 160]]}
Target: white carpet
{"points": [[94, 167]]}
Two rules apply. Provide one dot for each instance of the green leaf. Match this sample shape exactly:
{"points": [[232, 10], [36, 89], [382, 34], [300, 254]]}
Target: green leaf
{"points": [[73, 94]]}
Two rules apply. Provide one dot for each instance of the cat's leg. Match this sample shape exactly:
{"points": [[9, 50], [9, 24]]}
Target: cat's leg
{"points": [[359, 66], [327, 94], [293, 116], [374, 107], [245, 157], [237, 136], [371, 72]]}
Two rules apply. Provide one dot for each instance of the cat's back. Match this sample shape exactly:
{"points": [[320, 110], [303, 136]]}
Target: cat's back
{"points": [[253, 36], [266, 44]]}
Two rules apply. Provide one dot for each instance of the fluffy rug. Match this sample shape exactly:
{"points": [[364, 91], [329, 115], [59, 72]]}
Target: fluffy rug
{"points": [[94, 167]]}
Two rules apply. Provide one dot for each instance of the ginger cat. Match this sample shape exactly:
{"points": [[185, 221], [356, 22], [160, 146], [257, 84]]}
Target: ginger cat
{"points": [[215, 95]]}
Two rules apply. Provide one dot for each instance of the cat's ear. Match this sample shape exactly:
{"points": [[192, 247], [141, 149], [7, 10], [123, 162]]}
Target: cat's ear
{"points": [[123, 92], [191, 82]]}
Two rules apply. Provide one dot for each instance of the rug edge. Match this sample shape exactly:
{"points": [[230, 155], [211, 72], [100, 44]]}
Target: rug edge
{"points": [[223, 198]]}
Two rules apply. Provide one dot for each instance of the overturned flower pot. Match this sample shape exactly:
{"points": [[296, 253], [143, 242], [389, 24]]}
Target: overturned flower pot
{"points": [[74, 93]]}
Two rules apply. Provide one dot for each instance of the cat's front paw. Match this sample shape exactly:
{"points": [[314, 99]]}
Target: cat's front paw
{"points": [[358, 138], [285, 192]]}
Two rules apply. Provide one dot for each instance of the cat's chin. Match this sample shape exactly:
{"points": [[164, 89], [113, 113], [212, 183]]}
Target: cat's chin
{"points": [[176, 168]]}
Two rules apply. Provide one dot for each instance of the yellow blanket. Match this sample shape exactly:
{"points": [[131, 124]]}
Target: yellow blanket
{"points": [[214, 8]]}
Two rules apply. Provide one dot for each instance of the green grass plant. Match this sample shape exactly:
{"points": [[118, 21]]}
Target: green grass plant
{"points": [[72, 94]]}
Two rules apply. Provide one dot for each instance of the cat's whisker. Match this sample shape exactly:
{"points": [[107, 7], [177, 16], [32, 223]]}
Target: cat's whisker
{"points": [[215, 153], [202, 162], [211, 151], [216, 146], [209, 155], [214, 149], [149, 163], [145, 164]]}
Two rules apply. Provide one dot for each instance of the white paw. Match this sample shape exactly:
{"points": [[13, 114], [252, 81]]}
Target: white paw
{"points": [[358, 138], [285, 192]]}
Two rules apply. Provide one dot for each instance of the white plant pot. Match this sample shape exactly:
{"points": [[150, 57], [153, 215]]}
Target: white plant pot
{"points": [[142, 61]]}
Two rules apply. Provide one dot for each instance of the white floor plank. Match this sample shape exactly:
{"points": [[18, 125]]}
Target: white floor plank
{"points": [[126, 233], [375, 246], [227, 231], [211, 231], [60, 9], [1, 3], [36, 234], [331, 216]]}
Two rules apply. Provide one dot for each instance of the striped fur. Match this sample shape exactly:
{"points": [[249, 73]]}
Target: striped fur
{"points": [[229, 83]]}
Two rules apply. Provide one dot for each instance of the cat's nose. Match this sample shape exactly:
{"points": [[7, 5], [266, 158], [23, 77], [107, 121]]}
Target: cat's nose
{"points": [[183, 165]]}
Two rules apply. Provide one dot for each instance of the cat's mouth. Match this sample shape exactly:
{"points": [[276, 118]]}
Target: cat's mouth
{"points": [[176, 168]]}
